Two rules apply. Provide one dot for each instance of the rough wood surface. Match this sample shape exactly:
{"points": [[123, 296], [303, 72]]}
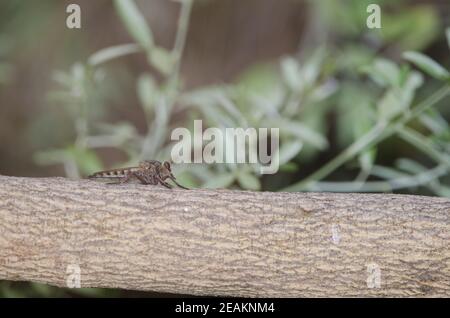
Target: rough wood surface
{"points": [[221, 242]]}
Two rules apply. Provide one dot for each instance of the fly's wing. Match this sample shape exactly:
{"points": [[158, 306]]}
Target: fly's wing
{"points": [[113, 173]]}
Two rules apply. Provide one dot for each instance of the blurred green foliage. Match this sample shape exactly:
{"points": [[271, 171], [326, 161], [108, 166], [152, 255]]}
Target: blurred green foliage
{"points": [[6, 69], [341, 106], [347, 77]]}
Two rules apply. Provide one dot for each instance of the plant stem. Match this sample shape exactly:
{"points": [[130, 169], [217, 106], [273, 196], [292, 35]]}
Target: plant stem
{"points": [[340, 159], [150, 147], [180, 40], [419, 179], [420, 142], [379, 133]]}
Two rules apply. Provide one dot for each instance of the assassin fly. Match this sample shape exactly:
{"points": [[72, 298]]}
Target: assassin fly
{"points": [[148, 172]]}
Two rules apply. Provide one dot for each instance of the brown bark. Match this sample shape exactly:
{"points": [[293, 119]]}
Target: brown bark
{"points": [[220, 242]]}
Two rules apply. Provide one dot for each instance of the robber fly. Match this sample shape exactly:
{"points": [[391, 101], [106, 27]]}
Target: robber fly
{"points": [[148, 172]]}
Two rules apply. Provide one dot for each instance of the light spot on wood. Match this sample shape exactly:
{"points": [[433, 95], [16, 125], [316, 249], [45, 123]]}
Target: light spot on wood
{"points": [[335, 234]]}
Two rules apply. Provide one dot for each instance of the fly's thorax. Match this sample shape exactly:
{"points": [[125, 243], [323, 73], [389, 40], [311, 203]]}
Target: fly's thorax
{"points": [[146, 164]]}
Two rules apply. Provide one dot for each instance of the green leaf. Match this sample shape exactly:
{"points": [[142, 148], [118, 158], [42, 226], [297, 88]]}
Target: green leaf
{"points": [[259, 79], [112, 52], [367, 158], [362, 121], [412, 28], [215, 105], [115, 135], [396, 100], [443, 191], [447, 33], [427, 65], [148, 92], [135, 23], [434, 121], [386, 172], [348, 113], [303, 132], [289, 167], [383, 72], [220, 181], [158, 129], [63, 78], [410, 166], [228, 105], [248, 181], [50, 157], [289, 150], [390, 104], [290, 70], [162, 60]]}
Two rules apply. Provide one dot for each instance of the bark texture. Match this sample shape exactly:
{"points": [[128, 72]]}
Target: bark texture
{"points": [[220, 242]]}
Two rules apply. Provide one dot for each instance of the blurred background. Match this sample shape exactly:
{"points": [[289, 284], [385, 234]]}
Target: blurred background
{"points": [[359, 109]]}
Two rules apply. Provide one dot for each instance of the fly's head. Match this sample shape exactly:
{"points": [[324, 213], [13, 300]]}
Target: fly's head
{"points": [[165, 171]]}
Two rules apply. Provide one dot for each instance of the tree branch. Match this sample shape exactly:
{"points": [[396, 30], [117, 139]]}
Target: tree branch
{"points": [[221, 242]]}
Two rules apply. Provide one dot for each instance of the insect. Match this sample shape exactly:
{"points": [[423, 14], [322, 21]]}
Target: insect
{"points": [[148, 172]]}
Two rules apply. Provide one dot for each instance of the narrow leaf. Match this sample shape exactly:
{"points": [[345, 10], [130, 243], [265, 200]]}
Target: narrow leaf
{"points": [[248, 181], [135, 22], [112, 52], [447, 33], [410, 166], [290, 70], [289, 150], [387, 71], [162, 60], [148, 92], [427, 65]]}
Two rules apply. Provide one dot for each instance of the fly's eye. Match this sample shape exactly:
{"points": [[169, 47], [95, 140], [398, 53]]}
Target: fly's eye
{"points": [[167, 165]]}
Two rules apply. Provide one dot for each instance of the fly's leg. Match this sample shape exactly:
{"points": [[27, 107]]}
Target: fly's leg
{"points": [[179, 185], [151, 180], [168, 186], [164, 183], [141, 179], [125, 179]]}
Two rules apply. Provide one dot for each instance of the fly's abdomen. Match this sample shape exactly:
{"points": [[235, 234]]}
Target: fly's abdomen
{"points": [[116, 173]]}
